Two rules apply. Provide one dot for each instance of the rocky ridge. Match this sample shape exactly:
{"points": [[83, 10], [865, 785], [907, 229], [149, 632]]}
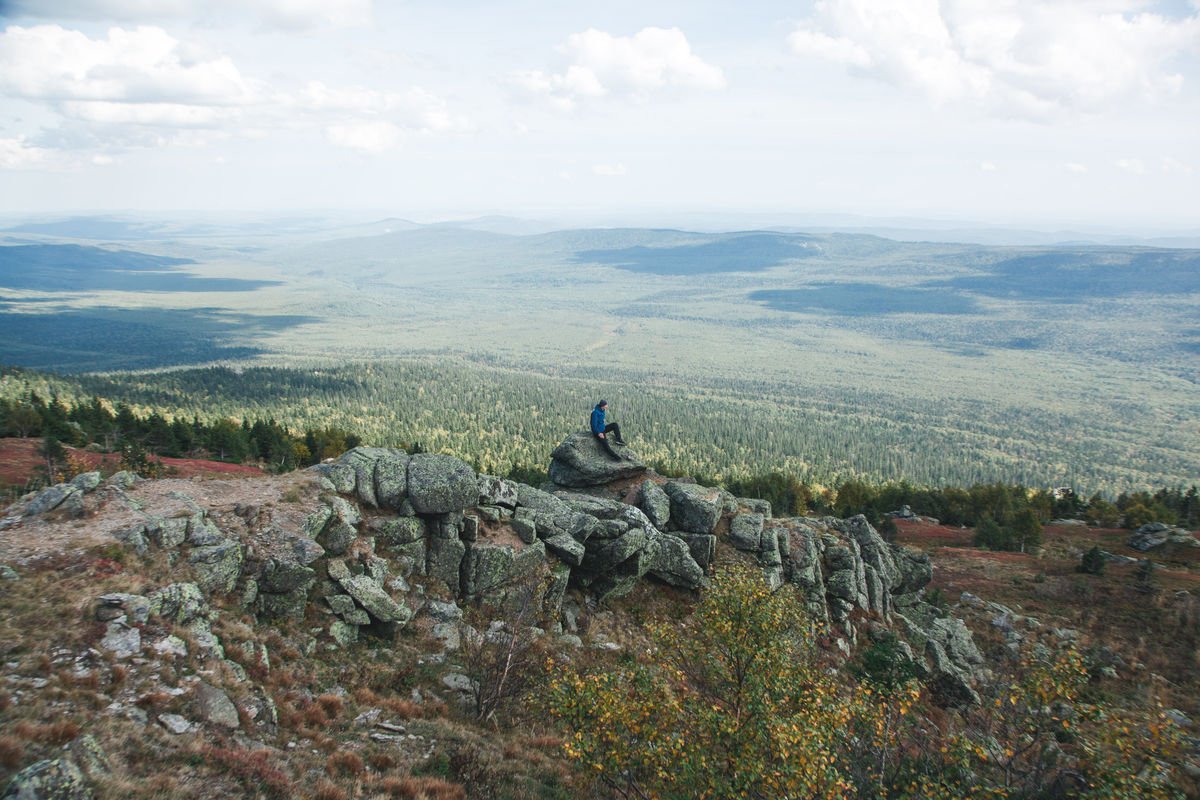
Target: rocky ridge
{"points": [[379, 540]]}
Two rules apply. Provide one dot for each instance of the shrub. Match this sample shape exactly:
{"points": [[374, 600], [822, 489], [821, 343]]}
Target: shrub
{"points": [[733, 704], [1092, 563]]}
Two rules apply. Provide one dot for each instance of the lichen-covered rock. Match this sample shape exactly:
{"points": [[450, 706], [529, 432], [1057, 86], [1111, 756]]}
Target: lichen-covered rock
{"points": [[361, 461], [168, 533], [290, 605], [179, 603], [843, 584], [50, 498], [217, 567], [694, 508], [1157, 534], [756, 505], [57, 779], [337, 536], [604, 555], [441, 484], [703, 548], [280, 576], [874, 551], [315, 522], [656, 505], [124, 479], [377, 602], [444, 560], [306, 551], [203, 532], [86, 482], [390, 532], [580, 461], [391, 479], [544, 502], [525, 526], [567, 548], [914, 570], [498, 492], [343, 633], [121, 639], [745, 532], [486, 568], [133, 536], [671, 561], [134, 606], [213, 705]]}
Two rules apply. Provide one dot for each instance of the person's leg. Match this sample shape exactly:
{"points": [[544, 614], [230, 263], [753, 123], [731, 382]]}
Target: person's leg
{"points": [[615, 431], [607, 448]]}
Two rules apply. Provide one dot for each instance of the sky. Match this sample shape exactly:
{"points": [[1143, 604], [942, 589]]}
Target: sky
{"points": [[998, 111]]}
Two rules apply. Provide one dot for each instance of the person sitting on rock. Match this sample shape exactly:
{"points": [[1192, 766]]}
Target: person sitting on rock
{"points": [[601, 431]]}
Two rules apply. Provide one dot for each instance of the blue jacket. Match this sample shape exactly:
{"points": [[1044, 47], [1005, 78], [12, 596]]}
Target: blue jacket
{"points": [[597, 420]]}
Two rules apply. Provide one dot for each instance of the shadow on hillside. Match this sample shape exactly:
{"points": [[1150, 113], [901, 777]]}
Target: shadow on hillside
{"points": [[106, 339]]}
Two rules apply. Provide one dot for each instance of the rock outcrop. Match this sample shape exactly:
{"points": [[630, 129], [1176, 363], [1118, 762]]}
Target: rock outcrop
{"points": [[381, 517], [1158, 534], [579, 460]]}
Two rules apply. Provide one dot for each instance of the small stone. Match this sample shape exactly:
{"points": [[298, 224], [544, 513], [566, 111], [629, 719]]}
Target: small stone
{"points": [[215, 706], [175, 724], [457, 682], [171, 646], [122, 640]]}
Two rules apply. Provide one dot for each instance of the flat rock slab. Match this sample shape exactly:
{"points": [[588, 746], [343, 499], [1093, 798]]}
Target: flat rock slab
{"points": [[580, 461]]}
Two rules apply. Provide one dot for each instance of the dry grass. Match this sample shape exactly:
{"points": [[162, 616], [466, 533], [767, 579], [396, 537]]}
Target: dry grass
{"points": [[422, 788], [52, 733], [326, 790], [343, 763], [12, 752]]}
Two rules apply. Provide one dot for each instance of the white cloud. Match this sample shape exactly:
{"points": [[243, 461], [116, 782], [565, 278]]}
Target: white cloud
{"points": [[144, 88], [1023, 58], [415, 109], [287, 15], [145, 65], [598, 64], [369, 137], [609, 170], [987, 166], [102, 160], [1134, 165], [1171, 165], [18, 154], [1073, 166], [307, 15]]}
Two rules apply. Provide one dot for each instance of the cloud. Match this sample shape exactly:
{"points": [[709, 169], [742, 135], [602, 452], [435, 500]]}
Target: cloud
{"points": [[286, 15], [1019, 58], [414, 109], [145, 65], [1077, 168], [1171, 165], [369, 137], [987, 166], [609, 170], [144, 88], [1134, 165], [16, 153], [597, 64]]}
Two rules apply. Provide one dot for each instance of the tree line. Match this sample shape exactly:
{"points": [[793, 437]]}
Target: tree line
{"points": [[1005, 516], [140, 436]]}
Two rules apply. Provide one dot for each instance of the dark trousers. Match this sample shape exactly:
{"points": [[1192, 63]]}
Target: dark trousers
{"points": [[613, 429]]}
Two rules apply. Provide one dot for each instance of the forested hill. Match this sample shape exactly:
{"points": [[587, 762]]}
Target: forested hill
{"points": [[506, 421]]}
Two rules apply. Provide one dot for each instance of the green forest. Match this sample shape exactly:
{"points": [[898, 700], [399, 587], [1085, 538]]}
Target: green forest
{"points": [[505, 423]]}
